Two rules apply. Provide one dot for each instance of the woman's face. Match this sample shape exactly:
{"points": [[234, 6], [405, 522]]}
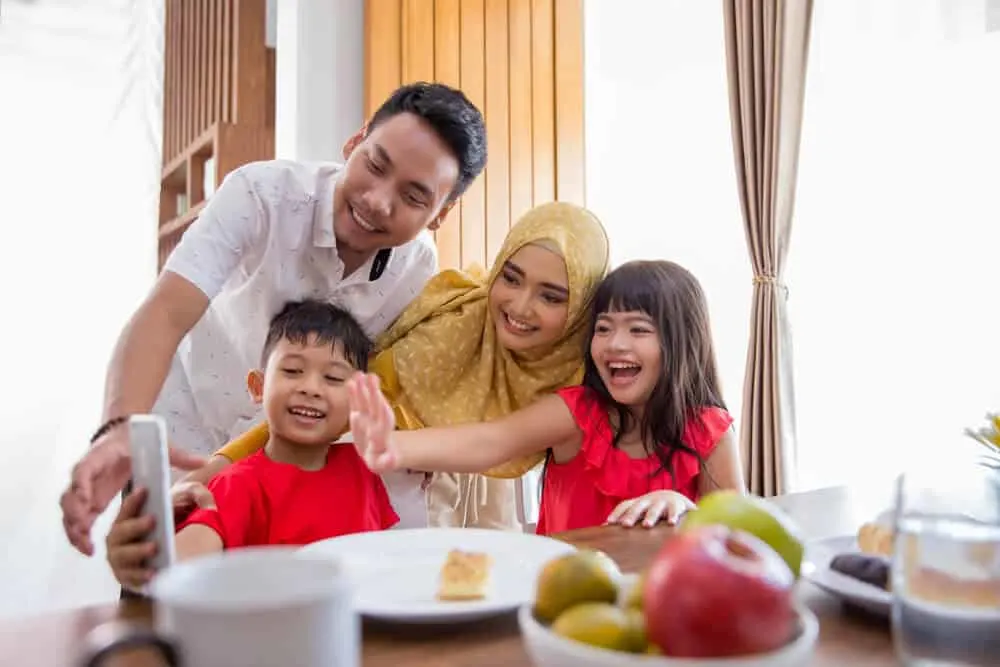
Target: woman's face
{"points": [[529, 300]]}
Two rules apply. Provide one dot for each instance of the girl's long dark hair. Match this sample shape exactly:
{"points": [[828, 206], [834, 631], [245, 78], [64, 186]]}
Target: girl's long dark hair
{"points": [[688, 381]]}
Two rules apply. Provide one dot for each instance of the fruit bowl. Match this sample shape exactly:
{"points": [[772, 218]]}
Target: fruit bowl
{"points": [[547, 649]]}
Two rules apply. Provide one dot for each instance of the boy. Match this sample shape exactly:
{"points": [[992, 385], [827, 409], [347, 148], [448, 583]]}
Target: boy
{"points": [[299, 488], [354, 234]]}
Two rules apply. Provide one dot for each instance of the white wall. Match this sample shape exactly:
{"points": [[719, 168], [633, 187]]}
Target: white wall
{"points": [[79, 180], [320, 77], [892, 267], [79, 176], [660, 169], [893, 260]]}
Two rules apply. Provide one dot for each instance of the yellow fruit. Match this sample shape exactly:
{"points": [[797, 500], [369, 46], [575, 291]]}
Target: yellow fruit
{"points": [[605, 561], [753, 515], [582, 576], [637, 630], [600, 624], [633, 599]]}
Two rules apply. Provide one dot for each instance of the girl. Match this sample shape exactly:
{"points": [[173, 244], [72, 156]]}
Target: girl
{"points": [[646, 434], [473, 347]]}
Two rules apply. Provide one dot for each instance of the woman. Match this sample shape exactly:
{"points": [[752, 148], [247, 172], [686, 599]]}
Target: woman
{"points": [[474, 348]]}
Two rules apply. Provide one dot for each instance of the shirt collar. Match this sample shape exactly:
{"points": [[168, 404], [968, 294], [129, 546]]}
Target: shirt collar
{"points": [[323, 213], [323, 236]]}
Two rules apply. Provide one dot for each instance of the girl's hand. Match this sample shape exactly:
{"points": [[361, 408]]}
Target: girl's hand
{"points": [[372, 423], [655, 507]]}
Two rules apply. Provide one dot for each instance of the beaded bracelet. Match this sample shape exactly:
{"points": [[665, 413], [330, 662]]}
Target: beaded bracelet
{"points": [[107, 426]]}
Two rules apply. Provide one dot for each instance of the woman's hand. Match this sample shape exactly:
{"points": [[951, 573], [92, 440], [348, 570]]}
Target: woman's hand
{"points": [[372, 423], [651, 508]]}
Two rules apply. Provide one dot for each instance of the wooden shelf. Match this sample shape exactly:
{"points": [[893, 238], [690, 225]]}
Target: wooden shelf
{"points": [[170, 227], [203, 145], [218, 104]]}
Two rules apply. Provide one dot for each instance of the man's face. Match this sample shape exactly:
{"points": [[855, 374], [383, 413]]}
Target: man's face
{"points": [[395, 183]]}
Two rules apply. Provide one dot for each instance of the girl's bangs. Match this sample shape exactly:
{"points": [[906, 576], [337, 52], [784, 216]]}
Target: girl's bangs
{"points": [[626, 289]]}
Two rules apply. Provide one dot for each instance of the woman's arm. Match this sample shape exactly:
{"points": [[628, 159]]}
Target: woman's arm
{"points": [[468, 448], [722, 468], [249, 443]]}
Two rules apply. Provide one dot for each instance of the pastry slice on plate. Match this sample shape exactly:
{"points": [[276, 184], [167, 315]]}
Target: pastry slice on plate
{"points": [[464, 576], [875, 539]]}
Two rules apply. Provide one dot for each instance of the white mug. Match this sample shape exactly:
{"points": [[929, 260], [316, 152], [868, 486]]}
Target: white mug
{"points": [[255, 607]]}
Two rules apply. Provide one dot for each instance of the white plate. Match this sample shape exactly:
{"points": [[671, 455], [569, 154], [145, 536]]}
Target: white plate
{"points": [[395, 573], [816, 569]]}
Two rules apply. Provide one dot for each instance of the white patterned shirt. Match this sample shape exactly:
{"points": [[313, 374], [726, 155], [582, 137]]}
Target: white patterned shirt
{"points": [[263, 239]]}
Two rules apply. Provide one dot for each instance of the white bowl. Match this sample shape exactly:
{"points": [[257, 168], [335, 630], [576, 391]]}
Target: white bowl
{"points": [[548, 649]]}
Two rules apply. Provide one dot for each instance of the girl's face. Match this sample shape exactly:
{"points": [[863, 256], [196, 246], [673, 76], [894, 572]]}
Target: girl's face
{"points": [[627, 354], [529, 300]]}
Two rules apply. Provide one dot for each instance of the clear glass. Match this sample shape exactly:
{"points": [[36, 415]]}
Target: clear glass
{"points": [[946, 568]]}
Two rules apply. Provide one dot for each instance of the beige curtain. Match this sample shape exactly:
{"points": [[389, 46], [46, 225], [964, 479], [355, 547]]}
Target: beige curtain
{"points": [[766, 46]]}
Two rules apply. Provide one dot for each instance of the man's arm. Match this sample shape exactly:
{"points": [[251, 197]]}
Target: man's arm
{"points": [[210, 250], [146, 346]]}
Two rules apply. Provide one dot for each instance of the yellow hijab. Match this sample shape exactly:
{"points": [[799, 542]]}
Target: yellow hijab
{"points": [[440, 363]]}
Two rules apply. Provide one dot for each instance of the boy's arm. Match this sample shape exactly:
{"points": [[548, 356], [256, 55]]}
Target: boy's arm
{"points": [[197, 540], [239, 509]]}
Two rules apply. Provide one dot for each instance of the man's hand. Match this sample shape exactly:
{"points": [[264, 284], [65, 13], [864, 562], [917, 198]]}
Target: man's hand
{"points": [[98, 477]]}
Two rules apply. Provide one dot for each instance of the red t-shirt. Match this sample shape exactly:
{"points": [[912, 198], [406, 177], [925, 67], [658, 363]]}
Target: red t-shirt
{"points": [[583, 491], [263, 502]]}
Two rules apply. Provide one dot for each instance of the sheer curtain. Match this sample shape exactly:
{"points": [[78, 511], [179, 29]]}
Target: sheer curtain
{"points": [[893, 272], [659, 154], [79, 173], [894, 269]]}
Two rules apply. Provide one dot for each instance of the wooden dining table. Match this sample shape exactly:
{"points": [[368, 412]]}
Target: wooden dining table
{"points": [[846, 636]]}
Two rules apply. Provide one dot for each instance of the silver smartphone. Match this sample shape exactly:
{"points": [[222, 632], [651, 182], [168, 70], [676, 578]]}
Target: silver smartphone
{"points": [[151, 469]]}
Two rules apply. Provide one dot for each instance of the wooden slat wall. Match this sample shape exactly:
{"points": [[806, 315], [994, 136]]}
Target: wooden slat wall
{"points": [[218, 100], [524, 74], [203, 60]]}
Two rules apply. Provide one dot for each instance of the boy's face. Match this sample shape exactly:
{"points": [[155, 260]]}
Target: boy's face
{"points": [[303, 391], [396, 182]]}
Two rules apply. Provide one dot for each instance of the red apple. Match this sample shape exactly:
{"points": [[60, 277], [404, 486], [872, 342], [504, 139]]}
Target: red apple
{"points": [[714, 592]]}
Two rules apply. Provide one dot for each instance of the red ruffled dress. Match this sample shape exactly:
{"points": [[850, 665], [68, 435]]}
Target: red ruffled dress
{"points": [[583, 491]]}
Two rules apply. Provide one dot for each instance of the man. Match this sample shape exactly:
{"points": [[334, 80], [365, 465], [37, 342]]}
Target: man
{"points": [[278, 231]]}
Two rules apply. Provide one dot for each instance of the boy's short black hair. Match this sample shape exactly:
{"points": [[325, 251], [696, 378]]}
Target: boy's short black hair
{"points": [[330, 325], [452, 116]]}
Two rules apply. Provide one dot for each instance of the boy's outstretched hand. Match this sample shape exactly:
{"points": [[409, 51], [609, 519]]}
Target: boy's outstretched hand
{"points": [[372, 423]]}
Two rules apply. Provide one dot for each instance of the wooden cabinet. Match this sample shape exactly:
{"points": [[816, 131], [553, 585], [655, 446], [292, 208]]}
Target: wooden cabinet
{"points": [[521, 63], [218, 103]]}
